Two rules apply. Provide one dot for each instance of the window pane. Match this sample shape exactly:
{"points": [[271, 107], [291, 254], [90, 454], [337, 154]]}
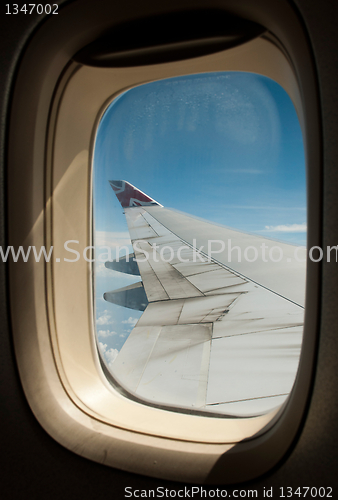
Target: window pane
{"points": [[201, 179]]}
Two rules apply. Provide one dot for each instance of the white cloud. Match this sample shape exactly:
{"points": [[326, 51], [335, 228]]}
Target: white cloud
{"points": [[287, 228], [130, 321], [102, 347], [105, 333], [104, 319], [109, 354]]}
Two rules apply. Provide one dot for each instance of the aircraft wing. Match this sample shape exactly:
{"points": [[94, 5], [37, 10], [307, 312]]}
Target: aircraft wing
{"points": [[211, 336]]}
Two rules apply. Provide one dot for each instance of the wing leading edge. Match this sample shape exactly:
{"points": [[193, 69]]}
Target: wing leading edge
{"points": [[209, 338]]}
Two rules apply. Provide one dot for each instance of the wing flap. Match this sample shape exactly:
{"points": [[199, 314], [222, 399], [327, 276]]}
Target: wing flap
{"points": [[174, 361], [173, 283], [255, 366], [187, 311]]}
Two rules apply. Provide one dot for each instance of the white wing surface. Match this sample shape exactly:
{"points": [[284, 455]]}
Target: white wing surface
{"points": [[216, 336]]}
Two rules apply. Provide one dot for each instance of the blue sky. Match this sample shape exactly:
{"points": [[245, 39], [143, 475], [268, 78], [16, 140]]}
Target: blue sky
{"points": [[226, 147]]}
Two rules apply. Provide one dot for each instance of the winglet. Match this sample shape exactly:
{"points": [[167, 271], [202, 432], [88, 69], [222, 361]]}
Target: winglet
{"points": [[129, 196]]}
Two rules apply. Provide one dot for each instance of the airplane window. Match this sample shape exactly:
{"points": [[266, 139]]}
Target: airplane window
{"points": [[199, 210]]}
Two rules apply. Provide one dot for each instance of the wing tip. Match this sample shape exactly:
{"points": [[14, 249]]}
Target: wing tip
{"points": [[129, 196]]}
